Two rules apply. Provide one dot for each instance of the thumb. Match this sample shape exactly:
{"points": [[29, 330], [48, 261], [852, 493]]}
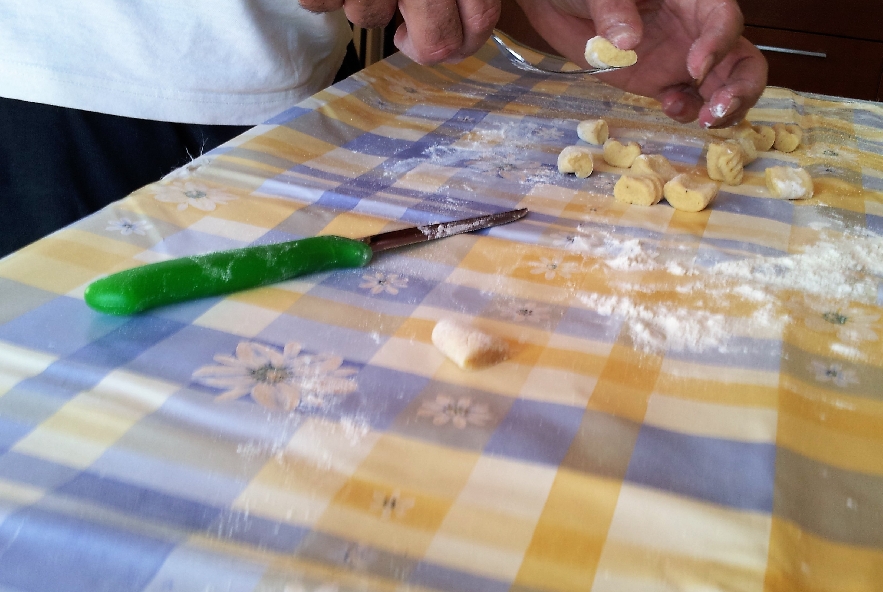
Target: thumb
{"points": [[618, 21]]}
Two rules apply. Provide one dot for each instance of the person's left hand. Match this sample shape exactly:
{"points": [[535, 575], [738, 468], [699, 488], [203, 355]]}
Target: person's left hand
{"points": [[434, 30], [691, 55]]}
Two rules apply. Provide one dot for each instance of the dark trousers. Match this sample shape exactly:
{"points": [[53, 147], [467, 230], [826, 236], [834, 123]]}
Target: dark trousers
{"points": [[58, 165]]}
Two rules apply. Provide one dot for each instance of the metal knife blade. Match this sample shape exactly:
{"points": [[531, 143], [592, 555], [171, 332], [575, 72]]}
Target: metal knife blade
{"points": [[418, 234]]}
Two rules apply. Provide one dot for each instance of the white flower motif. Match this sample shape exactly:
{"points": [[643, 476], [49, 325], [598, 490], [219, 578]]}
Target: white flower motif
{"points": [[459, 413], [188, 193], [835, 373], [379, 282], [526, 312], [277, 380], [552, 267], [391, 504], [126, 227], [850, 324]]}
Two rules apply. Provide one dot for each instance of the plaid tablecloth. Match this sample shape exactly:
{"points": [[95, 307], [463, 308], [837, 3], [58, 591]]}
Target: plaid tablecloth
{"points": [[692, 402]]}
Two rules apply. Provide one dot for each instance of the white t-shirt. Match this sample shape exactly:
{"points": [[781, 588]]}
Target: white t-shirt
{"points": [[233, 62]]}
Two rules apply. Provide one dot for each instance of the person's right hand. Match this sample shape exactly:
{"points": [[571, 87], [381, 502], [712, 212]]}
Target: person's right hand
{"points": [[691, 55], [434, 30]]}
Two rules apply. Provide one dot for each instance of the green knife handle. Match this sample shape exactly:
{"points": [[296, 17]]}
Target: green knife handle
{"points": [[177, 280]]}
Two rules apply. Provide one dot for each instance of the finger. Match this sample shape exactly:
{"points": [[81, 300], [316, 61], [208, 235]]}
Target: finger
{"points": [[734, 87], [432, 31], [681, 102], [478, 19], [617, 21], [721, 26], [369, 14], [321, 5]]}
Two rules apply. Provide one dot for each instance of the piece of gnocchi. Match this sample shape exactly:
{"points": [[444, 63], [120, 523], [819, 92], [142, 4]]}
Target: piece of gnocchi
{"points": [[654, 164], [600, 53], [724, 162], [764, 137], [749, 150], [577, 160], [740, 130], [788, 137], [468, 347], [639, 190], [621, 155], [788, 182], [593, 131], [689, 193]]}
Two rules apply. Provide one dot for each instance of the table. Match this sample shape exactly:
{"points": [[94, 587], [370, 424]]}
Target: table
{"points": [[692, 402]]}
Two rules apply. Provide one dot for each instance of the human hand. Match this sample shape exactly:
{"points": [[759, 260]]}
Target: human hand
{"points": [[691, 55], [434, 30]]}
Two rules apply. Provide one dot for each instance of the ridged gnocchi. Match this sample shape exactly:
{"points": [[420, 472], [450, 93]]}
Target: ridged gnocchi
{"points": [[639, 190], [654, 164], [724, 162]]}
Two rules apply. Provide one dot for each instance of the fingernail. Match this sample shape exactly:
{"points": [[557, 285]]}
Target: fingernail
{"points": [[718, 111], [622, 36]]}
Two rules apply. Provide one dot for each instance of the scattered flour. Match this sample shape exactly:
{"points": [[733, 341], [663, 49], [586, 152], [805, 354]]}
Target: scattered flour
{"points": [[836, 269]]}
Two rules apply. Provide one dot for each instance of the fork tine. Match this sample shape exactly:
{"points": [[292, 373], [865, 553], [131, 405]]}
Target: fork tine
{"points": [[506, 43]]}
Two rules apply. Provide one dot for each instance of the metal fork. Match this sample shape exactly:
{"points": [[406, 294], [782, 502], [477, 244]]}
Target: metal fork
{"points": [[516, 53]]}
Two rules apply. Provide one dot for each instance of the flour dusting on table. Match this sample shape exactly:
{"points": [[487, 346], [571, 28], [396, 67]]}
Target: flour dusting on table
{"points": [[752, 296]]}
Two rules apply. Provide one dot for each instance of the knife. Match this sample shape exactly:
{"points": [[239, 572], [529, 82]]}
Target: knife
{"points": [[197, 276]]}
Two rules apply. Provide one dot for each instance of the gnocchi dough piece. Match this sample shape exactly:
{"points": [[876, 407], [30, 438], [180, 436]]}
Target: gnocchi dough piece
{"points": [[749, 151], [689, 193], [467, 346], [788, 137], [600, 53], [619, 155], [788, 183], [593, 131], [764, 137], [640, 190], [654, 164], [740, 130], [724, 162], [577, 160]]}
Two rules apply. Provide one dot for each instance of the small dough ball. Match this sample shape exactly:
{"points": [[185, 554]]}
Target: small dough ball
{"points": [[764, 137], [788, 183], [749, 151], [640, 190], [467, 346], [788, 137], [689, 193], [600, 53], [724, 162], [619, 155], [577, 160], [593, 131], [654, 164]]}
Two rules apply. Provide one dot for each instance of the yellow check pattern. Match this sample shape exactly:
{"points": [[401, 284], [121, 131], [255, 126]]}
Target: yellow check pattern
{"points": [[692, 401]]}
